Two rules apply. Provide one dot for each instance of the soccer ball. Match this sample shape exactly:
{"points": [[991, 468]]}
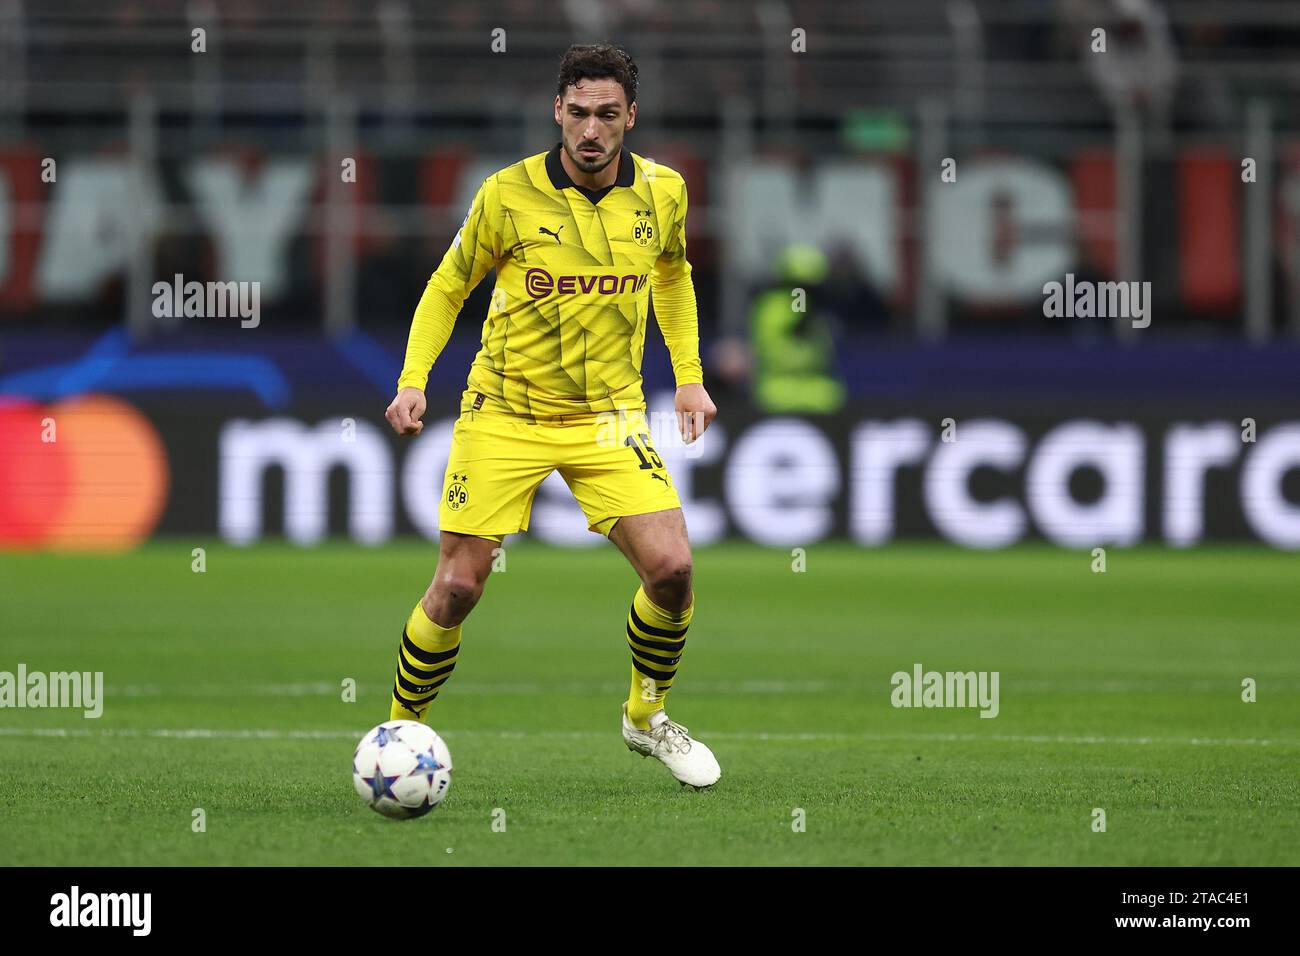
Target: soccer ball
{"points": [[402, 769]]}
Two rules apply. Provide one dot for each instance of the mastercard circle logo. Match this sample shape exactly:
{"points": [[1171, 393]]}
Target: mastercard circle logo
{"points": [[88, 474]]}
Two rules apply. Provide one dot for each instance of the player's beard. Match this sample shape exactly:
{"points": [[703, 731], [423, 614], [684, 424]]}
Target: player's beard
{"points": [[591, 166]]}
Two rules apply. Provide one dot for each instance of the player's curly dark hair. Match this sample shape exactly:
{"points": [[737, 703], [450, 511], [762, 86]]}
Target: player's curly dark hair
{"points": [[598, 61]]}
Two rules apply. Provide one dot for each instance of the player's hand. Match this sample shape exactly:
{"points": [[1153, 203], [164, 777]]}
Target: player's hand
{"points": [[406, 410], [695, 411]]}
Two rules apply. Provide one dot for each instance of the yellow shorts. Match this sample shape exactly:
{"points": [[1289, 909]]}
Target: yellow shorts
{"points": [[498, 460]]}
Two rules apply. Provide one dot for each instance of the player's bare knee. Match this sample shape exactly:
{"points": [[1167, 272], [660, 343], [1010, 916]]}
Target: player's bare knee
{"points": [[451, 597], [668, 582], [462, 589]]}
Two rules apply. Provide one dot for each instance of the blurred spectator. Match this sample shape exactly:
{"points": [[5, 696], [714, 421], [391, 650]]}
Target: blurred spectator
{"points": [[1139, 68], [794, 354]]}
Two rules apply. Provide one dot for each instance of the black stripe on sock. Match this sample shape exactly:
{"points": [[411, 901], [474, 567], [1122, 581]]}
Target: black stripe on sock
{"points": [[426, 657], [657, 658], [661, 645], [654, 631], [415, 706], [414, 688], [419, 672], [649, 672]]}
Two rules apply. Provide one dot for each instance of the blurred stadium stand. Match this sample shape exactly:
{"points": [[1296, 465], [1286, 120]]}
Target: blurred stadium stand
{"points": [[127, 158], [1124, 166]]}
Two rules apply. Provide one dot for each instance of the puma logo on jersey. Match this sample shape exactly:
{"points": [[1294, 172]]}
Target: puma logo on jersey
{"points": [[660, 477], [556, 234]]}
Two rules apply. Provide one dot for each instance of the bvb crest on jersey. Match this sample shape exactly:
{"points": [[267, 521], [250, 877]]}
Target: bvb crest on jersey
{"points": [[643, 231]]}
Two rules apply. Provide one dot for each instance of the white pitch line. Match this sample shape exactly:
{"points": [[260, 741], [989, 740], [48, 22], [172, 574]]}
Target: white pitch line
{"points": [[597, 688], [199, 733], [325, 689]]}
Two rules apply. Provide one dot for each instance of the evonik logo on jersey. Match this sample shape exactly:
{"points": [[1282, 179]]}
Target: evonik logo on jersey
{"points": [[541, 283]]}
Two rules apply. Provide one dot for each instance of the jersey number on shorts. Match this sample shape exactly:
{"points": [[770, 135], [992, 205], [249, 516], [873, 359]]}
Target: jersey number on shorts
{"points": [[654, 460]]}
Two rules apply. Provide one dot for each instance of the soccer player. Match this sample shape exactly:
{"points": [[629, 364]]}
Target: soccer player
{"points": [[579, 236]]}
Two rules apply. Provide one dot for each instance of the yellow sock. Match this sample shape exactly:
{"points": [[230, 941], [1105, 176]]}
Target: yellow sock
{"points": [[425, 660], [657, 639]]}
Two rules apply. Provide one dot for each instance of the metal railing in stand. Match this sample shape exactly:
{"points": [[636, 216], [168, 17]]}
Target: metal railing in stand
{"points": [[1257, 225]]}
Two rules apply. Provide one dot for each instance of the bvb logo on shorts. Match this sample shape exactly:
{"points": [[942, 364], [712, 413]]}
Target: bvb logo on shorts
{"points": [[643, 231], [457, 493]]}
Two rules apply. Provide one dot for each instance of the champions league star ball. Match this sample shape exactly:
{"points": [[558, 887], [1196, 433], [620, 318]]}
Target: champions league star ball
{"points": [[402, 769]]}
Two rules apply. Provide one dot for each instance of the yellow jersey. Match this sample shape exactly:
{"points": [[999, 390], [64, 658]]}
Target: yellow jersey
{"points": [[575, 269]]}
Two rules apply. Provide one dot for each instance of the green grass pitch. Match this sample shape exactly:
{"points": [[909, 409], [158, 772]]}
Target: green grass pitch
{"points": [[1120, 691]]}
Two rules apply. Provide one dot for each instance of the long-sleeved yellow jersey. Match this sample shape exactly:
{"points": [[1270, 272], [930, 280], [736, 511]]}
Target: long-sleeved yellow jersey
{"points": [[565, 331]]}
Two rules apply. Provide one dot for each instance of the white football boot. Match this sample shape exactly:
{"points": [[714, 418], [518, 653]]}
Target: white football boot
{"points": [[690, 761]]}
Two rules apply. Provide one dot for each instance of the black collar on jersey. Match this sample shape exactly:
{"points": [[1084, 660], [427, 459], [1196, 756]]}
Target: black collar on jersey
{"points": [[561, 180]]}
